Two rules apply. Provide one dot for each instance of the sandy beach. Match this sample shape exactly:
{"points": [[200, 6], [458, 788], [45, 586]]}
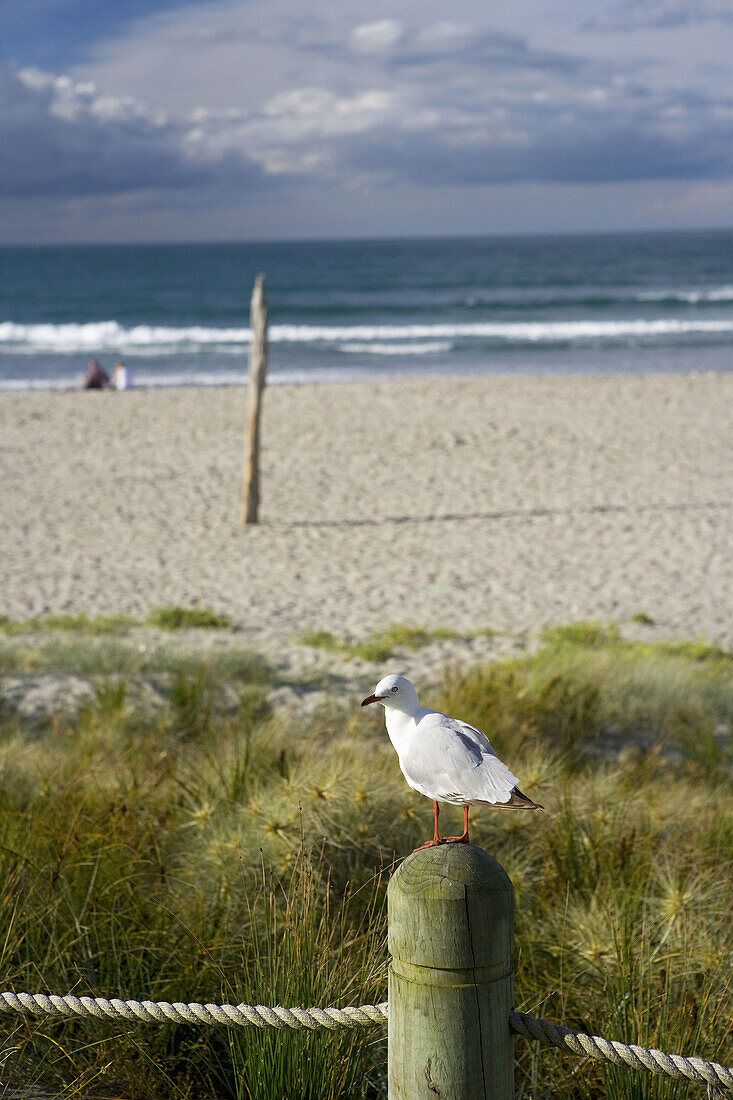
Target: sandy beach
{"points": [[469, 503]]}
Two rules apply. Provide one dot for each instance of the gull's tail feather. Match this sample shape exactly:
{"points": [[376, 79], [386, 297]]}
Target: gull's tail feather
{"points": [[521, 800], [517, 801]]}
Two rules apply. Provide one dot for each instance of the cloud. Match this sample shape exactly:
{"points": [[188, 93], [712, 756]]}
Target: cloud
{"points": [[353, 104], [376, 38], [633, 15], [568, 150], [566, 131], [66, 139], [395, 45]]}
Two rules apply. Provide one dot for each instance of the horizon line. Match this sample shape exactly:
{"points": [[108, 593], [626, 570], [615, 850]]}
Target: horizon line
{"points": [[377, 239]]}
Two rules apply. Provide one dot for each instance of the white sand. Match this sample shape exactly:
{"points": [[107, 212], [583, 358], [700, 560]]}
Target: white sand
{"points": [[495, 502]]}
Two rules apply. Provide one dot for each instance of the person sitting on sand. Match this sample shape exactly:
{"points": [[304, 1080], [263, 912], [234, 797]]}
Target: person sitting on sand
{"points": [[121, 378], [96, 378]]}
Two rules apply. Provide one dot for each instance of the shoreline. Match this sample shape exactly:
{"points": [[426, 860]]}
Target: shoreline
{"points": [[355, 376], [501, 502]]}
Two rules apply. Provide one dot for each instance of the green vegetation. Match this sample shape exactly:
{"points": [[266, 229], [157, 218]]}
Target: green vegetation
{"points": [[195, 853], [642, 618], [588, 685], [117, 657], [381, 645], [163, 618], [582, 635], [73, 624], [185, 618], [322, 639]]}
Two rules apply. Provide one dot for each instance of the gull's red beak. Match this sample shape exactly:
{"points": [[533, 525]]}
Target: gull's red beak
{"points": [[371, 699]]}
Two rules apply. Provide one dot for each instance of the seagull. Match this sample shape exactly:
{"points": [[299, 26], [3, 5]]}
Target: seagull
{"points": [[443, 758]]}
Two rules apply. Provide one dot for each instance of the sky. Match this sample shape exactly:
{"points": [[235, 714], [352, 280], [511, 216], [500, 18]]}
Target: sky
{"points": [[156, 120]]}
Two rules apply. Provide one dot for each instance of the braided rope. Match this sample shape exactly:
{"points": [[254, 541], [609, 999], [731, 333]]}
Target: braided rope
{"points": [[299, 1019], [330, 1019], [621, 1054]]}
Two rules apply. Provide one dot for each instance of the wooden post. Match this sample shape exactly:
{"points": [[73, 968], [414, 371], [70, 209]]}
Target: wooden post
{"points": [[257, 373], [451, 985]]}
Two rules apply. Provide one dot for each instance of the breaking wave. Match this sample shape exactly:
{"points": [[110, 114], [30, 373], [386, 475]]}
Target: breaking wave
{"points": [[156, 340]]}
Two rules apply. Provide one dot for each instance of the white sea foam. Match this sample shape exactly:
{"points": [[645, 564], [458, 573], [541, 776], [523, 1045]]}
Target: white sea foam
{"points": [[171, 380], [143, 380], [429, 347], [109, 336], [693, 297], [23, 385], [518, 331]]}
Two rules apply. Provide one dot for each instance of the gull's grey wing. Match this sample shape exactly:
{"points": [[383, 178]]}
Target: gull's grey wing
{"points": [[474, 735], [450, 760]]}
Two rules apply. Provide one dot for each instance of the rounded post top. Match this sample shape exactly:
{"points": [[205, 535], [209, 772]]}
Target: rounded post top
{"points": [[451, 907], [447, 870]]}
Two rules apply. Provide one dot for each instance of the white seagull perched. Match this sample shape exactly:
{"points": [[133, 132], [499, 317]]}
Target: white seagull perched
{"points": [[443, 758]]}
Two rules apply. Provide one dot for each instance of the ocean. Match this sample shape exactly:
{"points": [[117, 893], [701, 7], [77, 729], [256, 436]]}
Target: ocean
{"points": [[178, 314]]}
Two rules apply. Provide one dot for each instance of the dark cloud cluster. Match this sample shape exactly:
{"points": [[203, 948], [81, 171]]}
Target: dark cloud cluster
{"points": [[66, 140], [632, 15], [568, 150], [517, 119]]}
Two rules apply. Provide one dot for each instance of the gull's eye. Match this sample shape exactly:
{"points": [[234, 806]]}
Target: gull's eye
{"points": [[395, 688]]}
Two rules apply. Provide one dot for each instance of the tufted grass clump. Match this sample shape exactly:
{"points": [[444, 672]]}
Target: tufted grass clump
{"points": [[68, 623], [322, 639], [380, 645], [117, 657], [210, 853], [586, 683], [185, 618]]}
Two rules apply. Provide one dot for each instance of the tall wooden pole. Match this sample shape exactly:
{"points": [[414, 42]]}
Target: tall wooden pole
{"points": [[257, 375], [451, 986]]}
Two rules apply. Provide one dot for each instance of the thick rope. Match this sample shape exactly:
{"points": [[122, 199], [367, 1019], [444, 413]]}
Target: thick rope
{"points": [[621, 1054], [300, 1019], [313, 1019]]}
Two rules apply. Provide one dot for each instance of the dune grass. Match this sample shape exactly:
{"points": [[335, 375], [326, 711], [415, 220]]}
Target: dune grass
{"points": [[110, 656], [382, 644], [643, 618], [186, 618], [72, 624], [162, 618], [196, 854], [587, 683]]}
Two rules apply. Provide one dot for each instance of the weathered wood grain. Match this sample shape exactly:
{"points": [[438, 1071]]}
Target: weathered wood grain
{"points": [[451, 935]]}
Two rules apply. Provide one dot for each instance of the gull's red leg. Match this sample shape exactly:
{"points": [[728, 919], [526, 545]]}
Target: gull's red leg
{"points": [[436, 839], [461, 839]]}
